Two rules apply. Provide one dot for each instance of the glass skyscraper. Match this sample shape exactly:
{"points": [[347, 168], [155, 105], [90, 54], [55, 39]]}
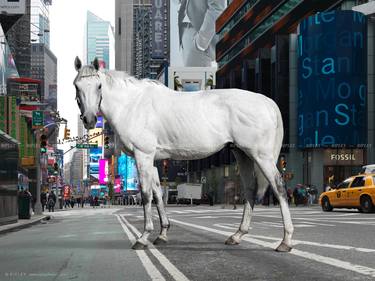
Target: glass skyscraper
{"points": [[98, 40]]}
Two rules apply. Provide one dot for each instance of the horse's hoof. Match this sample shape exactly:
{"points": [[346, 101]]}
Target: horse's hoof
{"points": [[232, 241], [159, 241], [283, 248], [139, 246]]}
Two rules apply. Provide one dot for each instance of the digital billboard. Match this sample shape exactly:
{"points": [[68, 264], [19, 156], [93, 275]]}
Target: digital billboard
{"points": [[192, 32], [95, 155], [117, 185], [103, 171], [128, 172], [332, 80]]}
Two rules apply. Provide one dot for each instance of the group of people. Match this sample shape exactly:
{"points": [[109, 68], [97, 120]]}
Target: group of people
{"points": [[48, 200]]}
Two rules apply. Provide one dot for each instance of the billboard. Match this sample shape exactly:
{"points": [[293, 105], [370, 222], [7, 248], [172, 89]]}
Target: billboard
{"points": [[158, 28], [192, 32], [332, 80], [95, 155], [117, 185], [13, 7], [128, 172], [103, 171]]}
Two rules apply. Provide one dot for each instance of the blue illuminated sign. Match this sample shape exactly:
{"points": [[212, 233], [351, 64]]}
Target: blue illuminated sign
{"points": [[128, 172], [332, 79]]}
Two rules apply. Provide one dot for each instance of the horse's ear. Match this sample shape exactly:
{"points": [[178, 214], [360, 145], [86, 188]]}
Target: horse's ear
{"points": [[77, 63], [95, 63]]}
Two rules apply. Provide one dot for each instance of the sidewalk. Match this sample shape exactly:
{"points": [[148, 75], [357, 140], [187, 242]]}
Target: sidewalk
{"points": [[22, 223]]}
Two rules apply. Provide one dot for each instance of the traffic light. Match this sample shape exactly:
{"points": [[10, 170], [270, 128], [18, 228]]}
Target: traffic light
{"points": [[165, 167], [43, 144], [66, 133], [106, 142]]}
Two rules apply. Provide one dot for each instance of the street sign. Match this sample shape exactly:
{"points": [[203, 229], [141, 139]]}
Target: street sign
{"points": [[38, 118], [86, 145]]}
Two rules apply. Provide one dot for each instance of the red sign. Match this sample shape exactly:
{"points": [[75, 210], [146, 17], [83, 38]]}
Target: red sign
{"points": [[67, 191]]}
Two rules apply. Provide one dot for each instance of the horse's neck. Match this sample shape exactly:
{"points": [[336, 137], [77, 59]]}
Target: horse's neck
{"points": [[116, 102]]}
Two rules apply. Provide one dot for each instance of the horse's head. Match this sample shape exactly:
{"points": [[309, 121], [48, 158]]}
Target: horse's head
{"points": [[88, 91]]}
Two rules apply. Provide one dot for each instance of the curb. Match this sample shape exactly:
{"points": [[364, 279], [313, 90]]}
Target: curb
{"points": [[11, 228]]}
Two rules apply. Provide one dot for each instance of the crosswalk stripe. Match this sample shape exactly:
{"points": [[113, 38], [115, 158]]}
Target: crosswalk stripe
{"points": [[173, 271], [152, 271], [307, 255]]}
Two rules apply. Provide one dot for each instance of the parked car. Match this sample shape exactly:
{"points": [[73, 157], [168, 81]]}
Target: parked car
{"points": [[355, 192]]}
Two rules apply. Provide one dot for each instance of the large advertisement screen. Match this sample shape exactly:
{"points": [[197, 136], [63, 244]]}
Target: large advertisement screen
{"points": [[332, 80], [128, 172], [95, 155], [192, 32]]}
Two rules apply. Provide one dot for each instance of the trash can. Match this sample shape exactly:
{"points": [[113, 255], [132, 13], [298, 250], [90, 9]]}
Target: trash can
{"points": [[24, 207]]}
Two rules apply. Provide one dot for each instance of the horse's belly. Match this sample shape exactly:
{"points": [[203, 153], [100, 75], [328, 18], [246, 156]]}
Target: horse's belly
{"points": [[190, 150]]}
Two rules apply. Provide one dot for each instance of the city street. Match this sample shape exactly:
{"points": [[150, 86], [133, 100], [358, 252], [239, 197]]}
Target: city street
{"points": [[95, 244]]}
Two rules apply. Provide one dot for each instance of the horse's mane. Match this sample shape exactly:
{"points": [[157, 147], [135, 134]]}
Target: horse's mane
{"points": [[121, 77], [114, 77]]}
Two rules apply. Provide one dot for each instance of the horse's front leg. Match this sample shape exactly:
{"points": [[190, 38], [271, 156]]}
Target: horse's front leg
{"points": [[164, 222], [146, 173]]}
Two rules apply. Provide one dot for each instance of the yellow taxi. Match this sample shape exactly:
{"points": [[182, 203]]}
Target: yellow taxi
{"points": [[355, 192]]}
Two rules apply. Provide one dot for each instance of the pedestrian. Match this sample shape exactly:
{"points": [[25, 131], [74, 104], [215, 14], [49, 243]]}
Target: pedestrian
{"points": [[51, 201], [72, 201], [43, 200], [82, 201]]}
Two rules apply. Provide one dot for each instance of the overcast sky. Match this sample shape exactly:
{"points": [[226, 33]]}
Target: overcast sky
{"points": [[67, 21]]}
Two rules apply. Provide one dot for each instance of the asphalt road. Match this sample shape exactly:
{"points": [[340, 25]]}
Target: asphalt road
{"points": [[95, 244]]}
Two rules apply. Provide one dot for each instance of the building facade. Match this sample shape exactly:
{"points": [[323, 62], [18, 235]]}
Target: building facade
{"points": [[141, 28], [275, 48], [98, 40]]}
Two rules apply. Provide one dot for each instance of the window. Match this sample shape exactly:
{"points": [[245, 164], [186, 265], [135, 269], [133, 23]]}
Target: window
{"points": [[344, 184], [358, 182]]}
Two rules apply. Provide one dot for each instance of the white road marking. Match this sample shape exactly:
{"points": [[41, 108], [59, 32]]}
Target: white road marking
{"points": [[67, 236], [173, 271], [307, 255], [152, 271], [206, 217]]}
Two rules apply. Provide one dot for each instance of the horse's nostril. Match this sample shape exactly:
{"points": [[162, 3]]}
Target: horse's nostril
{"points": [[96, 119], [85, 120]]}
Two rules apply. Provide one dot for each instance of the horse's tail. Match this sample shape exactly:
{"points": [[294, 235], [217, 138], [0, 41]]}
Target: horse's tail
{"points": [[262, 182]]}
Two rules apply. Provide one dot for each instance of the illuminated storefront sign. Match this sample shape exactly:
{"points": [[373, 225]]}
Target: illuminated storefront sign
{"points": [[332, 79]]}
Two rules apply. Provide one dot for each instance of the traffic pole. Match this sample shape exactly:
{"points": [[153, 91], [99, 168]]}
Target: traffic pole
{"points": [[38, 205]]}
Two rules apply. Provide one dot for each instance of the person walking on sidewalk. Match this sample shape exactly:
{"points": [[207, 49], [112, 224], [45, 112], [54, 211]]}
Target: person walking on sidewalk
{"points": [[51, 201], [43, 200]]}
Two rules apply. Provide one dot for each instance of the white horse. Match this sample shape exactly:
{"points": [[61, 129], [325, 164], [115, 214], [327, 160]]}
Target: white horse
{"points": [[154, 122]]}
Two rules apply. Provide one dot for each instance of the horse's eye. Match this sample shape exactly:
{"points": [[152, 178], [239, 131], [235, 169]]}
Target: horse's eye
{"points": [[100, 86]]}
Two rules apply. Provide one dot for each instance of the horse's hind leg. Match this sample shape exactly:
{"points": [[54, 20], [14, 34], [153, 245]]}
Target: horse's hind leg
{"points": [[164, 223], [246, 166], [269, 169]]}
